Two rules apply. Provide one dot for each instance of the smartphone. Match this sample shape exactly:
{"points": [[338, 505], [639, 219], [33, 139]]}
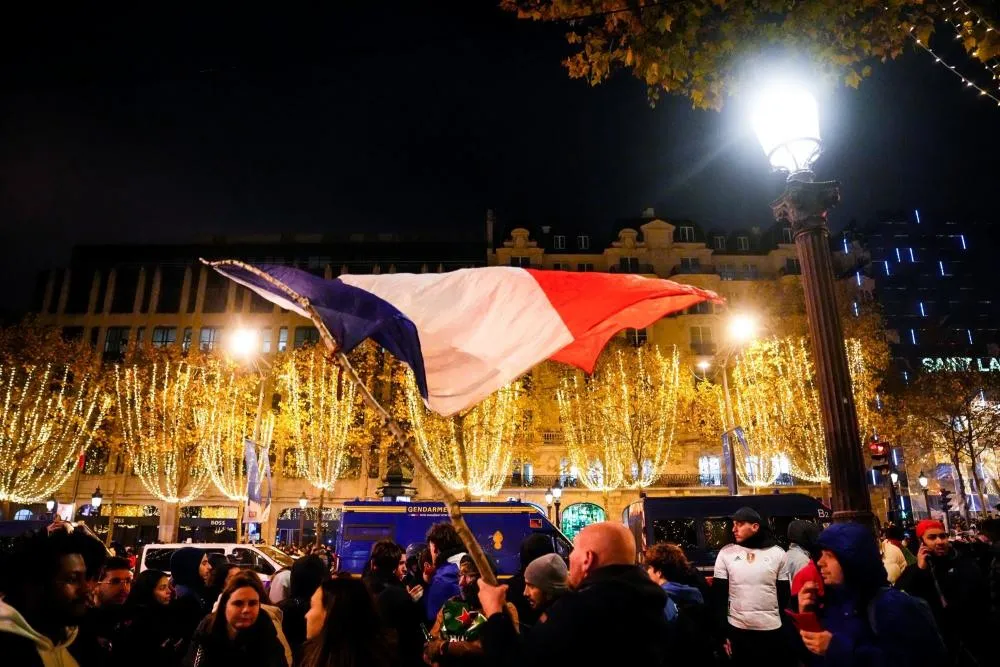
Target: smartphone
{"points": [[806, 620]]}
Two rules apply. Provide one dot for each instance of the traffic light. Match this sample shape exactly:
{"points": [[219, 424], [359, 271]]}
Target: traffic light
{"points": [[879, 452], [945, 500]]}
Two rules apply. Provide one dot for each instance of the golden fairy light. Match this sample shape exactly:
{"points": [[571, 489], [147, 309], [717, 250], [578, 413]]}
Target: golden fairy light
{"points": [[156, 410], [48, 420], [619, 423], [473, 450], [226, 424], [776, 401], [319, 411]]}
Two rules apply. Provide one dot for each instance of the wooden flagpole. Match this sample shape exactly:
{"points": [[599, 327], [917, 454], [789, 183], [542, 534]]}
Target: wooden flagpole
{"points": [[406, 442]]}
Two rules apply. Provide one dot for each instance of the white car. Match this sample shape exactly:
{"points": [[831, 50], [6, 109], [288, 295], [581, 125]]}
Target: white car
{"points": [[263, 559]]}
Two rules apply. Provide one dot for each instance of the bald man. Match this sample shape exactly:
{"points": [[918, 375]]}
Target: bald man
{"points": [[613, 613]]}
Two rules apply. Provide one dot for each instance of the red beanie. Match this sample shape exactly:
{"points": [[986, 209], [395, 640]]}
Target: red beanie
{"points": [[926, 524]]}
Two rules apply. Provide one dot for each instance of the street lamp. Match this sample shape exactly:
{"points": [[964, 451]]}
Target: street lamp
{"points": [[303, 502], [556, 496], [243, 342], [923, 487], [97, 499], [548, 504], [786, 121], [894, 476], [50, 505], [742, 328]]}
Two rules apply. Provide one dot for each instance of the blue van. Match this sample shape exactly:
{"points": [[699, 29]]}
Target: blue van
{"points": [[499, 527], [701, 525]]}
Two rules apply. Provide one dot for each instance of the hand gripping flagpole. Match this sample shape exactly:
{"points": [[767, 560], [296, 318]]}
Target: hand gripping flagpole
{"points": [[406, 442]]}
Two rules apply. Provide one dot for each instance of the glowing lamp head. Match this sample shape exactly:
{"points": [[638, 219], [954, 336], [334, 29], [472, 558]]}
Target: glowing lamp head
{"points": [[742, 328], [97, 499], [923, 480], [786, 121], [894, 476], [557, 493], [703, 365], [303, 501], [50, 504], [548, 497], [243, 342]]}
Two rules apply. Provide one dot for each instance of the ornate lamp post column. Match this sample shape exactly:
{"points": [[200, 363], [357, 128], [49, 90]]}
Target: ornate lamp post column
{"points": [[787, 124]]}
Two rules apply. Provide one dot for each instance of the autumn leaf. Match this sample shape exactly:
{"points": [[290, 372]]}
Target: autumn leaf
{"points": [[853, 79]]}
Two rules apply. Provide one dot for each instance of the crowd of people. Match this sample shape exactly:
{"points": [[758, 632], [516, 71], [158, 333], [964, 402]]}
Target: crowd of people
{"points": [[834, 597]]}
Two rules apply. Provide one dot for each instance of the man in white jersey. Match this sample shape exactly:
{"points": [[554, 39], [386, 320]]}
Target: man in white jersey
{"points": [[750, 587]]}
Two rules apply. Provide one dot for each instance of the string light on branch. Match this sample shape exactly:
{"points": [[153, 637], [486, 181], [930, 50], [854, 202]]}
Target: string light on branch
{"points": [[157, 404], [473, 450], [227, 424], [47, 422], [619, 424], [938, 59], [320, 408]]}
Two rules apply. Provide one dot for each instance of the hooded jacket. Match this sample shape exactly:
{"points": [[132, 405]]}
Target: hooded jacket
{"points": [[871, 623], [21, 645], [189, 605], [614, 618], [443, 586], [534, 546]]}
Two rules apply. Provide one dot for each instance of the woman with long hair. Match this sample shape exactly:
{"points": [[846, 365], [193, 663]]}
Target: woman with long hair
{"points": [[343, 628], [238, 632], [153, 632]]}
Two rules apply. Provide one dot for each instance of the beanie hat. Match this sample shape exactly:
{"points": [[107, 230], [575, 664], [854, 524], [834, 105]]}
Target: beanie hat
{"points": [[184, 566], [803, 533], [925, 525], [747, 514], [547, 573]]}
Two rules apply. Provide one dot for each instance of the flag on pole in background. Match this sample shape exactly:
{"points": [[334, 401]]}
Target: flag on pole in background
{"points": [[252, 513], [467, 333]]}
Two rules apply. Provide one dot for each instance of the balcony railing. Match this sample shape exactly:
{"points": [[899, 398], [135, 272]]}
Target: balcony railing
{"points": [[665, 481], [638, 268], [697, 269]]}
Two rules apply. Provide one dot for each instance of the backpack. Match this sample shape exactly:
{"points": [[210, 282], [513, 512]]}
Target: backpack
{"points": [[690, 633], [920, 608]]}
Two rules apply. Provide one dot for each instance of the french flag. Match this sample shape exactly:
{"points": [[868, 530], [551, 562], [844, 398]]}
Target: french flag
{"points": [[469, 332]]}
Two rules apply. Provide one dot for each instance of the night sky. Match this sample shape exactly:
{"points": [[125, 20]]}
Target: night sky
{"points": [[161, 123]]}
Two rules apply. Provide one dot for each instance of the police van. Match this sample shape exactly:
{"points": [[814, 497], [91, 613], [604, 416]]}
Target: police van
{"points": [[498, 527], [701, 525]]}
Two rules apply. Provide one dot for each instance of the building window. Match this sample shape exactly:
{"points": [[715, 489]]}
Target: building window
{"points": [[95, 333], [685, 234], [743, 243], [782, 468], [719, 242], [123, 295], [559, 242], [171, 286], [72, 334], [637, 337], [259, 304], [701, 340], [583, 242], [710, 471], [628, 264], [523, 262], [750, 271], [690, 264], [561, 266], [164, 336], [209, 337], [306, 336], [792, 266], [265, 340], [786, 237], [186, 341], [282, 339], [216, 293], [115, 343], [585, 267], [140, 336]]}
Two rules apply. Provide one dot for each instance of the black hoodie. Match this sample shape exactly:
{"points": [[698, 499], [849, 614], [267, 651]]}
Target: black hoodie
{"points": [[614, 618]]}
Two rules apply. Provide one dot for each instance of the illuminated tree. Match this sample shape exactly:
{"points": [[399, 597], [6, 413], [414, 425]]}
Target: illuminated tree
{"points": [[776, 401], [472, 451], [47, 421], [956, 412], [157, 403], [619, 423], [227, 422], [708, 49]]}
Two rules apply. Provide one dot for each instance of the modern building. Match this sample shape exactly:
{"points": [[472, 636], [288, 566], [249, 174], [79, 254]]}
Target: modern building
{"points": [[117, 297]]}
